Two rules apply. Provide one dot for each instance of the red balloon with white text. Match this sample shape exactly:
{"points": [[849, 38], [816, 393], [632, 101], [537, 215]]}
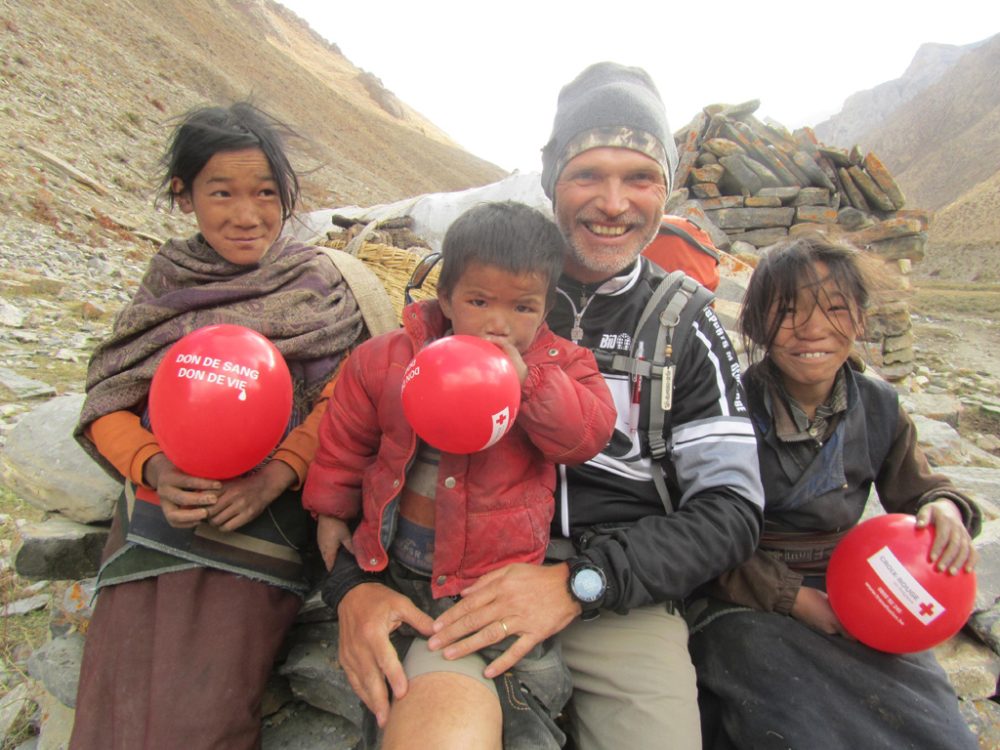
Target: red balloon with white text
{"points": [[887, 593], [220, 401]]}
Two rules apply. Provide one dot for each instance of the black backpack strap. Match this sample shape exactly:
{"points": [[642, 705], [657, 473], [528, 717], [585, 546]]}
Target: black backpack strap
{"points": [[686, 301], [666, 323], [667, 228], [661, 333]]}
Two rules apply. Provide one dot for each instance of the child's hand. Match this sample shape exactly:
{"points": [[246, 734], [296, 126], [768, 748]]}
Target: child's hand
{"points": [[952, 549], [185, 500], [813, 608], [513, 355], [331, 533]]}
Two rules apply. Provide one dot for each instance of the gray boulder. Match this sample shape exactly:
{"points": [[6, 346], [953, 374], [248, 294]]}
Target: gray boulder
{"points": [[44, 465]]}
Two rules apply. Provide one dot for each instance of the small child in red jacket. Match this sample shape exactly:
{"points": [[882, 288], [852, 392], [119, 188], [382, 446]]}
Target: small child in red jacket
{"points": [[432, 523]]}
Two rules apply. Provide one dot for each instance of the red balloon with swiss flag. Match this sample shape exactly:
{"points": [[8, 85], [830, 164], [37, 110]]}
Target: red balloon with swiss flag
{"points": [[888, 594], [461, 394]]}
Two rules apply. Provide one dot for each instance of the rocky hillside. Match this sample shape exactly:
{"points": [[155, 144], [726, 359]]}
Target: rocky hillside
{"points": [[964, 240], [94, 83], [938, 129], [865, 111], [947, 140]]}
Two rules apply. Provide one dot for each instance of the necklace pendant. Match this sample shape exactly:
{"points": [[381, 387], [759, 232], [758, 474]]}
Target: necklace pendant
{"points": [[576, 334]]}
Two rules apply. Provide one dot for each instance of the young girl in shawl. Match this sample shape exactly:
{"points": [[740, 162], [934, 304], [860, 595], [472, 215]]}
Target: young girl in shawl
{"points": [[187, 623], [775, 666]]}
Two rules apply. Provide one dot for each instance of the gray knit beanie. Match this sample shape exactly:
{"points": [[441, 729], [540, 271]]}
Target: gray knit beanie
{"points": [[608, 105]]}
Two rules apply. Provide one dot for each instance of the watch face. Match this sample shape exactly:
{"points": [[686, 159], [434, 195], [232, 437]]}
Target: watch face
{"points": [[588, 585]]}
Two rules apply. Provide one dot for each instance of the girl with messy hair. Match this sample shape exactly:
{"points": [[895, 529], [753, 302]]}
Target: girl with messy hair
{"points": [[201, 579], [775, 666]]}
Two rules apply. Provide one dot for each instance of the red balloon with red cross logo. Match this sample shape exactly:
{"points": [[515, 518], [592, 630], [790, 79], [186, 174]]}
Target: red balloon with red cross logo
{"points": [[461, 394], [887, 593]]}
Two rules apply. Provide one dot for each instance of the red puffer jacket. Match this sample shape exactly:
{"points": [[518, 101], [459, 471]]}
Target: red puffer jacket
{"points": [[492, 507]]}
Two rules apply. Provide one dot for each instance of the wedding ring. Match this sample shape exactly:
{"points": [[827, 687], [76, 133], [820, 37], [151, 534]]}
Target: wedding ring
{"points": [[504, 626]]}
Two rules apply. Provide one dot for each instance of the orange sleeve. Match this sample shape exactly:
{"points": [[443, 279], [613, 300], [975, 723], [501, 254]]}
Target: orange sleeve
{"points": [[127, 445], [297, 450], [121, 439]]}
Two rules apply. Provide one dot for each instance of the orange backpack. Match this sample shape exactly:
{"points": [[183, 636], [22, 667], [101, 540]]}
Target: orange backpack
{"points": [[681, 245]]}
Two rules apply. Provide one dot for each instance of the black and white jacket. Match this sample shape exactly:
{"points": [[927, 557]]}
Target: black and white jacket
{"points": [[610, 507]]}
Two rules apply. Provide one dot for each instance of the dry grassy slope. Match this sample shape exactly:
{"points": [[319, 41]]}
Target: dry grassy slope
{"points": [[94, 82], [324, 97], [965, 237]]}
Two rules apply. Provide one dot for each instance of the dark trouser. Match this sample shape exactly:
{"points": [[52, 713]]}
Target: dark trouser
{"points": [[768, 681]]}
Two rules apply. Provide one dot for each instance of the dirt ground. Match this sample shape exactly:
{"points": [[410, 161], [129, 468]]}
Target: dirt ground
{"points": [[956, 328], [957, 324]]}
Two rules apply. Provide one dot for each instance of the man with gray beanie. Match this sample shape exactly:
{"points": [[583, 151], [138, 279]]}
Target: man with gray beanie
{"points": [[633, 535], [608, 168]]}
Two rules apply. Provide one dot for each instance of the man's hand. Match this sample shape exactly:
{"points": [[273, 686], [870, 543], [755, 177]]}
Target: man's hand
{"points": [[368, 613], [532, 601], [952, 549], [813, 608]]}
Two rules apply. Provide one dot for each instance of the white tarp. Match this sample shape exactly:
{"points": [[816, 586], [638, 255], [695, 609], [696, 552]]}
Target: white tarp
{"points": [[432, 213]]}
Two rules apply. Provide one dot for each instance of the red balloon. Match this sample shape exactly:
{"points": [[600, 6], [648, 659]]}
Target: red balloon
{"points": [[887, 593], [220, 401], [461, 394]]}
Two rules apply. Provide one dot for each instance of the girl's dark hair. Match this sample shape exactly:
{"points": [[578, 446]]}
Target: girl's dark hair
{"points": [[202, 133], [787, 268], [506, 234]]}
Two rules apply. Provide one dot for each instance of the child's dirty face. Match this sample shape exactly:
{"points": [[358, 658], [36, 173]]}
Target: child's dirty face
{"points": [[816, 335], [235, 199], [497, 305]]}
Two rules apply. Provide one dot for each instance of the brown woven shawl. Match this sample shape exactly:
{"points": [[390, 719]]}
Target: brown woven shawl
{"points": [[294, 296]]}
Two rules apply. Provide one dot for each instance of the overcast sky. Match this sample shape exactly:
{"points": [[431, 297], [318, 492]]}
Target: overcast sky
{"points": [[488, 73]]}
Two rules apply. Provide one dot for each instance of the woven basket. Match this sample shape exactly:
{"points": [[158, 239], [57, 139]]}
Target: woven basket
{"points": [[394, 266]]}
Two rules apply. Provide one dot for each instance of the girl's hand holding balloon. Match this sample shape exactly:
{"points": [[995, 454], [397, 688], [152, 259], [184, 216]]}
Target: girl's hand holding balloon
{"points": [[186, 500], [243, 499], [952, 549]]}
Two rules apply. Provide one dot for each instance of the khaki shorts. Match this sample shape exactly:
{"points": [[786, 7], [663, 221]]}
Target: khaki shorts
{"points": [[421, 660]]}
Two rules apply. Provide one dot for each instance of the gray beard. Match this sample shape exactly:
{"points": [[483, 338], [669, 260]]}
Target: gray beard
{"points": [[612, 265]]}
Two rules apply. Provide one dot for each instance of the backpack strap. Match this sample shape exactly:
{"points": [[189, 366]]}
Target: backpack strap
{"points": [[635, 363], [376, 309], [663, 330], [686, 301], [669, 228]]}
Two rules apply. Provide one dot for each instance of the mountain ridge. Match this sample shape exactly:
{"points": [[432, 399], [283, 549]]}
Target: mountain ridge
{"points": [[864, 111], [942, 145]]}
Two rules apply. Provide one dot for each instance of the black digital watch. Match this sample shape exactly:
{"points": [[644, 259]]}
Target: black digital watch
{"points": [[587, 585]]}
